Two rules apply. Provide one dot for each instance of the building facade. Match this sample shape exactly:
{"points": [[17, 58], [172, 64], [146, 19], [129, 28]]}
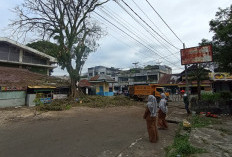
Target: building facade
{"points": [[102, 70], [14, 54], [147, 75]]}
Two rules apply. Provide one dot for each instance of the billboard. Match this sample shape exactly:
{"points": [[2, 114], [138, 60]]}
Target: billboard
{"points": [[200, 54]]}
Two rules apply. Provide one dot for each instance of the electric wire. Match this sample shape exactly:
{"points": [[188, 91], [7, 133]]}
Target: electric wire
{"points": [[155, 26], [142, 39], [148, 25], [132, 37], [144, 27], [164, 22]]}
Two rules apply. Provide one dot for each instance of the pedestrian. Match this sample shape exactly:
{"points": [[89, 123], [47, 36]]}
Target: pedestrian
{"points": [[150, 116], [163, 109], [182, 93], [186, 102]]}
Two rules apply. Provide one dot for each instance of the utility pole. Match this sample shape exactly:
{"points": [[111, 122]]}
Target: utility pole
{"points": [[186, 76], [135, 64]]}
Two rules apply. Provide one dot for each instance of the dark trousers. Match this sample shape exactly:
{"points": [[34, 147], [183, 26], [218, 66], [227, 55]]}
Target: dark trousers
{"points": [[187, 108]]}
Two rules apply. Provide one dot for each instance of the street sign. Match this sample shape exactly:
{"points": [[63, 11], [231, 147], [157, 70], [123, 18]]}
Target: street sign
{"points": [[194, 55]]}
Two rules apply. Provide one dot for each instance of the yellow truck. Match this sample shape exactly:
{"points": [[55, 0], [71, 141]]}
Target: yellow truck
{"points": [[141, 92]]}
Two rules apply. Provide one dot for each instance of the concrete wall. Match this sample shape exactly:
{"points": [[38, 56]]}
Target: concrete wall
{"points": [[30, 100], [12, 98]]}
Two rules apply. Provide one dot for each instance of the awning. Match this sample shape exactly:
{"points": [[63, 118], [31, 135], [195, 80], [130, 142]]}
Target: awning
{"points": [[39, 87]]}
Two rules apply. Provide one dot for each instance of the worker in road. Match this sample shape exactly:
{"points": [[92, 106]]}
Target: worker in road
{"points": [[186, 102], [150, 116], [163, 109]]}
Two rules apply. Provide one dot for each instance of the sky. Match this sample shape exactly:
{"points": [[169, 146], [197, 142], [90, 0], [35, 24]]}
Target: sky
{"points": [[189, 19]]}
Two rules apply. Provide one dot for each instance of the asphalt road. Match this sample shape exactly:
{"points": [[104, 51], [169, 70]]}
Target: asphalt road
{"points": [[95, 133]]}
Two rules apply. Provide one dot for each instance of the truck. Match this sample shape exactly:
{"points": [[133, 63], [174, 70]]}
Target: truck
{"points": [[141, 92]]}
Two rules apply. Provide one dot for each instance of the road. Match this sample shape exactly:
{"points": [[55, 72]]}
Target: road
{"points": [[81, 133]]}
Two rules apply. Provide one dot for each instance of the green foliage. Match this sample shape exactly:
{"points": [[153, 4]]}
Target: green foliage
{"points": [[45, 47], [181, 146], [212, 97], [225, 95], [199, 122], [88, 101], [68, 23], [102, 101], [56, 105], [221, 26], [37, 102]]}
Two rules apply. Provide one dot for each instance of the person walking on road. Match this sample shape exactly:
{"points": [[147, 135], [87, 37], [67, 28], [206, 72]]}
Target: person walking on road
{"points": [[163, 109], [186, 102], [150, 116]]}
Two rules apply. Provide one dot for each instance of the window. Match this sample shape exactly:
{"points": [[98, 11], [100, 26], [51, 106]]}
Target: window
{"points": [[4, 51], [90, 74], [160, 90], [102, 72], [31, 58], [140, 78], [152, 78]]}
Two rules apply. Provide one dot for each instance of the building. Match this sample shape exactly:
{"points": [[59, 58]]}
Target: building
{"points": [[19, 87], [205, 83], [102, 70], [222, 82], [14, 54], [150, 74], [170, 82], [101, 84]]}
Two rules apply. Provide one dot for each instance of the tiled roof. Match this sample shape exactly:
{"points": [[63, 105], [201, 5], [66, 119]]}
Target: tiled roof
{"points": [[169, 79], [102, 78], [16, 77], [84, 83]]}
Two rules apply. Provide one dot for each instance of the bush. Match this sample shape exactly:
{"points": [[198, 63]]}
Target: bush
{"points": [[225, 95], [210, 96], [216, 96], [199, 122], [56, 105]]}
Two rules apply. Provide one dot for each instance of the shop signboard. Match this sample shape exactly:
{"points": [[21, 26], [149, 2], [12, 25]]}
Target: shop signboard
{"points": [[201, 54], [221, 76]]}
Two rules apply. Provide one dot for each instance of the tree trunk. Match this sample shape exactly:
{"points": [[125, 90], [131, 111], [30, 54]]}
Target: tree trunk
{"points": [[73, 88], [199, 88]]}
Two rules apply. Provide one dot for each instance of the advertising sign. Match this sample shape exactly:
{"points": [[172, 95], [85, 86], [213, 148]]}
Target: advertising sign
{"points": [[221, 76], [194, 55]]}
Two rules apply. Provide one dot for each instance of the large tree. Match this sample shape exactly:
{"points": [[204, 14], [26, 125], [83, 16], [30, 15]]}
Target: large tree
{"points": [[46, 47], [68, 22], [221, 26]]}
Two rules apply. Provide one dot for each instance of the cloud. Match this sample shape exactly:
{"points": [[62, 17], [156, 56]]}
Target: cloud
{"points": [[189, 19]]}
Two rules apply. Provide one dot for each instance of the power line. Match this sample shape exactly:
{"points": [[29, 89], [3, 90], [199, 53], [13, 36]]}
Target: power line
{"points": [[165, 22], [132, 31], [132, 37], [154, 25], [150, 20], [148, 24], [151, 33]]}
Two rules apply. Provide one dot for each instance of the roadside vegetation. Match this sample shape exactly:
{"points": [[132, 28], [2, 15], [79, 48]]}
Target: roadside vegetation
{"points": [[181, 146], [88, 101], [216, 96]]}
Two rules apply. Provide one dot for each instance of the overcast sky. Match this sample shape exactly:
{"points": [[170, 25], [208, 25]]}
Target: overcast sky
{"points": [[189, 19]]}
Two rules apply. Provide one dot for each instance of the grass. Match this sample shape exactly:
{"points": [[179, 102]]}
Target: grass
{"points": [[199, 122], [181, 146]]}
